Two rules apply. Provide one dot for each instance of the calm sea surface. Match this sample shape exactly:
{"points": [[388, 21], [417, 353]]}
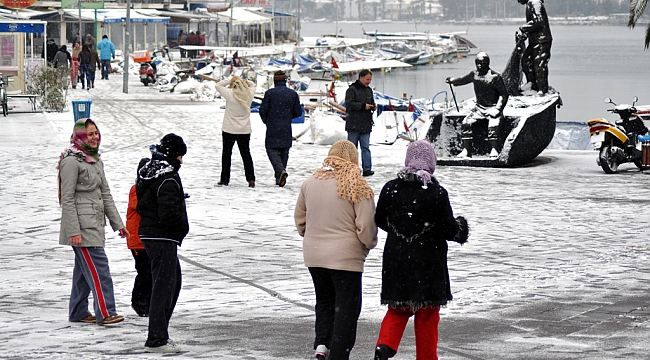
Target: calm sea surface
{"points": [[588, 63]]}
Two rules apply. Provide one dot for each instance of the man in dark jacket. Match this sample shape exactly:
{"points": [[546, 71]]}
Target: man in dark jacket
{"points": [[359, 105], [279, 106], [163, 225], [52, 49], [534, 62]]}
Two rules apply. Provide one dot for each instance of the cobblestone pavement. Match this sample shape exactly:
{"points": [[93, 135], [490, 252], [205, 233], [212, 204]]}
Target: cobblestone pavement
{"points": [[556, 267]]}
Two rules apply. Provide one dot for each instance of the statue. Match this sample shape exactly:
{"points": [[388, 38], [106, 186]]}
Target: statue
{"points": [[491, 99], [535, 59]]}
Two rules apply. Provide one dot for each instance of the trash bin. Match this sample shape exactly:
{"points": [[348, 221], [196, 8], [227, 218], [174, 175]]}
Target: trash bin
{"points": [[300, 119], [81, 109]]}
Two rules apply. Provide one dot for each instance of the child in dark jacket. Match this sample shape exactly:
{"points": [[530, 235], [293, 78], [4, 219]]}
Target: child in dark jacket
{"points": [[163, 226]]}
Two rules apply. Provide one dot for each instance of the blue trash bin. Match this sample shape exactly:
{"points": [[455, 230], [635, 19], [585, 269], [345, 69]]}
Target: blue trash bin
{"points": [[81, 109], [300, 119]]}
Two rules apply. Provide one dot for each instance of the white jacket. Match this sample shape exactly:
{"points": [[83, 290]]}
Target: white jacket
{"points": [[237, 119]]}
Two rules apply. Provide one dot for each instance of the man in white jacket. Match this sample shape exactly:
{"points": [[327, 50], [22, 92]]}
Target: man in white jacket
{"points": [[236, 126]]}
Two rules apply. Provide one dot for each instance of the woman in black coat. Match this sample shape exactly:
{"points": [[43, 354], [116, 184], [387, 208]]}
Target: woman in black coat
{"points": [[415, 212]]}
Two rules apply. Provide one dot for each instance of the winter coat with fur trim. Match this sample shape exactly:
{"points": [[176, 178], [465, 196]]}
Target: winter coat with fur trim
{"points": [[418, 222]]}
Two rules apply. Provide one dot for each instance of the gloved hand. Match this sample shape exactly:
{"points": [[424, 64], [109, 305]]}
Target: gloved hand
{"points": [[113, 57]]}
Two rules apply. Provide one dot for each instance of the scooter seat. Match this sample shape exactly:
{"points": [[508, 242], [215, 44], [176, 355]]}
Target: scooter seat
{"points": [[644, 138]]}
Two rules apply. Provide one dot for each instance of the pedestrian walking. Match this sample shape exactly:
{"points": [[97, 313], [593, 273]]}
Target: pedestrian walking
{"points": [[335, 216], [193, 40], [63, 61], [182, 40], [90, 40], [74, 73], [106, 52], [95, 64], [359, 105], [279, 106], [141, 293], [87, 65], [86, 202], [236, 126], [163, 226], [414, 210], [52, 48]]}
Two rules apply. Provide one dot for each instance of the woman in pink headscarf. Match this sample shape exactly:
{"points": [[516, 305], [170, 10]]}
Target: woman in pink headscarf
{"points": [[414, 210], [86, 202]]}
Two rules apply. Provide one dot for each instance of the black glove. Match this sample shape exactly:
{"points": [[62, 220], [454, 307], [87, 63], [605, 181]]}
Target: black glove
{"points": [[463, 230]]}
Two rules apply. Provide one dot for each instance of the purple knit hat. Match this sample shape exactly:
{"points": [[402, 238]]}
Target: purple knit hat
{"points": [[420, 160]]}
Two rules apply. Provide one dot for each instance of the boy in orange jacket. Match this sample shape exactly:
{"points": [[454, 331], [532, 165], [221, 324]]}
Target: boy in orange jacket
{"points": [[141, 294]]}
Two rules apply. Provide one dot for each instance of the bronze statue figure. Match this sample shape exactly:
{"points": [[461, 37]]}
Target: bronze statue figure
{"points": [[491, 99], [535, 59]]}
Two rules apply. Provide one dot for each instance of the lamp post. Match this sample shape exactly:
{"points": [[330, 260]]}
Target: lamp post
{"points": [[125, 78]]}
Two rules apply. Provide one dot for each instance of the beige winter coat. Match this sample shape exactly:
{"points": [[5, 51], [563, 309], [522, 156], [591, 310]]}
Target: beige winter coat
{"points": [[237, 119], [86, 202], [337, 233]]}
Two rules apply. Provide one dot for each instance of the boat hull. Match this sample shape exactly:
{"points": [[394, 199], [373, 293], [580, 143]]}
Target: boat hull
{"points": [[527, 129]]}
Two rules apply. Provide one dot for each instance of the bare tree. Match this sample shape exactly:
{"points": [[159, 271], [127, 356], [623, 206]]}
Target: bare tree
{"points": [[636, 10]]}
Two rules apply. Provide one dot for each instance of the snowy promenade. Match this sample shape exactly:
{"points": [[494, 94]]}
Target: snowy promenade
{"points": [[557, 264]]}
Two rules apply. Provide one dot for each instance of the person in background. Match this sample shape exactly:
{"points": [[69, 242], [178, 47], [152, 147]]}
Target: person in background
{"points": [[334, 214], [163, 226], [359, 105], [182, 40], [192, 39], [86, 202], [236, 126], [106, 52], [90, 40], [414, 210], [141, 293], [86, 67], [63, 61], [52, 48], [95, 64], [74, 73], [279, 106]]}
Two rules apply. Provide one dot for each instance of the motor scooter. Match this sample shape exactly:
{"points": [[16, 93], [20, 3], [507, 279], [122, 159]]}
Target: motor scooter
{"points": [[620, 142], [148, 73]]}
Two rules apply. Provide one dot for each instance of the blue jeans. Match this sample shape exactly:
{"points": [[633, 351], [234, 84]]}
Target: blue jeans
{"points": [[105, 65], [363, 140], [91, 274]]}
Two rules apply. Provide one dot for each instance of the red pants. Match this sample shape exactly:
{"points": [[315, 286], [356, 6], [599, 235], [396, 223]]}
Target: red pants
{"points": [[426, 330]]}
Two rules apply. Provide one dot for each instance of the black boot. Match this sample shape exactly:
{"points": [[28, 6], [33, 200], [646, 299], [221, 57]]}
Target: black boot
{"points": [[383, 352], [467, 149], [494, 153]]}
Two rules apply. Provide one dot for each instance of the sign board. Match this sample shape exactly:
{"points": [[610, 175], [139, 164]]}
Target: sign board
{"points": [[22, 27], [17, 4], [256, 3], [85, 4]]}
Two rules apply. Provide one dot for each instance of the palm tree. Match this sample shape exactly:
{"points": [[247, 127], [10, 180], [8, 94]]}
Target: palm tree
{"points": [[636, 10]]}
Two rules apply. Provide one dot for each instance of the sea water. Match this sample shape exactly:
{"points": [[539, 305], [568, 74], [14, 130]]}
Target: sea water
{"points": [[588, 64]]}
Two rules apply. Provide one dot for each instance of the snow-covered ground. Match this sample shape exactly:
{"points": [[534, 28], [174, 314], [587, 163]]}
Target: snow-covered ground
{"points": [[556, 237]]}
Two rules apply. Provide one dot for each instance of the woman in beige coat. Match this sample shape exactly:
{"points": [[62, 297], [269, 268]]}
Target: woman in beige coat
{"points": [[335, 215], [86, 202]]}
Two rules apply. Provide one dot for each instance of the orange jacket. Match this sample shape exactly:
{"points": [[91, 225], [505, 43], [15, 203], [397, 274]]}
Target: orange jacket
{"points": [[133, 222]]}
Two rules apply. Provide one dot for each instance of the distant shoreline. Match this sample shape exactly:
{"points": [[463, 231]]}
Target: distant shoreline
{"points": [[614, 20]]}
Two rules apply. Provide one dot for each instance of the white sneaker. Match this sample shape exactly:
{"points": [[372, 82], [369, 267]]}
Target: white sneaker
{"points": [[321, 352], [463, 154], [494, 153], [170, 347]]}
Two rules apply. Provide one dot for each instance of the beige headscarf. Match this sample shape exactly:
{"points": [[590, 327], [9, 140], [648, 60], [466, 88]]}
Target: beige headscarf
{"points": [[241, 92], [342, 162]]}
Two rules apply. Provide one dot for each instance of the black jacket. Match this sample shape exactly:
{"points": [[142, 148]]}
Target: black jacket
{"points": [[418, 222], [161, 201], [357, 118], [279, 106]]}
